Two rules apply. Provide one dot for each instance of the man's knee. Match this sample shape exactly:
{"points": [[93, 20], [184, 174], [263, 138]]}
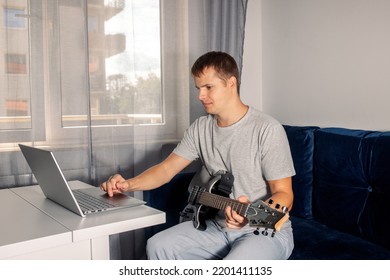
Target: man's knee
{"points": [[151, 248], [156, 248]]}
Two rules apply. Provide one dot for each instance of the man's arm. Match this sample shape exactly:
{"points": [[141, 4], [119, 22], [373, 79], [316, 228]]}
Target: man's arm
{"points": [[282, 192], [151, 178]]}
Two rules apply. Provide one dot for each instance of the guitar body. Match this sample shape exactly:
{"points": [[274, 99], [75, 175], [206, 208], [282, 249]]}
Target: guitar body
{"points": [[203, 213], [220, 184]]}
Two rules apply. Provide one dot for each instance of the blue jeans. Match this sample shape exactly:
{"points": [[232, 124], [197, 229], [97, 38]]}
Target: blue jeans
{"points": [[183, 241]]}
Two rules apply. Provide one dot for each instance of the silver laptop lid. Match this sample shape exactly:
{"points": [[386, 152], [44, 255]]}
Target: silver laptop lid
{"points": [[50, 177]]}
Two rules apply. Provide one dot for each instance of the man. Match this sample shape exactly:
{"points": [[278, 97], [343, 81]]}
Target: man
{"points": [[232, 137]]}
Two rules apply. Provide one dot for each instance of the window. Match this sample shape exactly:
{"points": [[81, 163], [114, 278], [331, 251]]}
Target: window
{"points": [[15, 64], [125, 62], [15, 84], [69, 65], [13, 17]]}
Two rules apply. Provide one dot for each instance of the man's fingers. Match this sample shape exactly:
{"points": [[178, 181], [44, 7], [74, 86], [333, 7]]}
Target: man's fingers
{"points": [[233, 219], [243, 199], [109, 186]]}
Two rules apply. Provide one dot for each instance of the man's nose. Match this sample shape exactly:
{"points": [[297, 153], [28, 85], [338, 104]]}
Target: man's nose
{"points": [[202, 95]]}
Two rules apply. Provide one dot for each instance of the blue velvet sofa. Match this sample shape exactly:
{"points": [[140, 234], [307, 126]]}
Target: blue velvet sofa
{"points": [[341, 194]]}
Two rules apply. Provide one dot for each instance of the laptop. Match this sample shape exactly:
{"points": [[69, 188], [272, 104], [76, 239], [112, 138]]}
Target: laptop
{"points": [[55, 187]]}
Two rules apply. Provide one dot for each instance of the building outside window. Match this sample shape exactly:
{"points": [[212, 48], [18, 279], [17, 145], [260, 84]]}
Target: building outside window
{"points": [[12, 17]]}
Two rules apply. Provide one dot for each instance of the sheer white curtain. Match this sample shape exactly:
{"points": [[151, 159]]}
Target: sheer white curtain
{"points": [[104, 83], [86, 79]]}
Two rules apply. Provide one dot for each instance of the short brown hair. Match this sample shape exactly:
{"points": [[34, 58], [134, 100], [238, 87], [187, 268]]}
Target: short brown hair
{"points": [[223, 63]]}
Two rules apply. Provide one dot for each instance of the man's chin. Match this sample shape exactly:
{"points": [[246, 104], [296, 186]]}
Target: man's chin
{"points": [[208, 109]]}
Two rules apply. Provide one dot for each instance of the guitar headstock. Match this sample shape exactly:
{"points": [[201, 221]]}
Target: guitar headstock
{"points": [[260, 214]]}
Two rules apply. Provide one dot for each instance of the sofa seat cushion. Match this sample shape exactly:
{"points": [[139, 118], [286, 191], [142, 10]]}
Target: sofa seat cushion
{"points": [[316, 241]]}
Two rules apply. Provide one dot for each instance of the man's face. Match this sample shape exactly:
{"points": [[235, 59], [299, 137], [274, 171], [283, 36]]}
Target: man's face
{"points": [[214, 93]]}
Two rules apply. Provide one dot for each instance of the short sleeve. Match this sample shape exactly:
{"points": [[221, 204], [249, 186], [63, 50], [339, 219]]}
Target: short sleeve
{"points": [[277, 161]]}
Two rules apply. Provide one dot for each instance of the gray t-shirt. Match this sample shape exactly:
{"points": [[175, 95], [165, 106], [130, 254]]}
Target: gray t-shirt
{"points": [[254, 149]]}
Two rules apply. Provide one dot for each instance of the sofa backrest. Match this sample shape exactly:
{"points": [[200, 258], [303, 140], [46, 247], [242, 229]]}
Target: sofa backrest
{"points": [[374, 223], [342, 179], [301, 140], [341, 188]]}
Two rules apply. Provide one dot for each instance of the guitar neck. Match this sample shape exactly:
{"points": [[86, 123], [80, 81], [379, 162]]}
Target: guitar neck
{"points": [[221, 202]]}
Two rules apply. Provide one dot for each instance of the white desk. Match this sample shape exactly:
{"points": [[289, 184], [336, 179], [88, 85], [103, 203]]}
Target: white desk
{"points": [[19, 231], [74, 237]]}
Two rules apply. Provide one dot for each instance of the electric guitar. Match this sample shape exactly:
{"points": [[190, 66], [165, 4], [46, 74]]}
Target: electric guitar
{"points": [[205, 202]]}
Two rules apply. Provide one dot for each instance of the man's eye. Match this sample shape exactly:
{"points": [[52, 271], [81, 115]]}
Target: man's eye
{"points": [[208, 87]]}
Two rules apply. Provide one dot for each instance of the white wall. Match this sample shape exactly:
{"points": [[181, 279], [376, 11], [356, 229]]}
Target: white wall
{"points": [[251, 78], [324, 62]]}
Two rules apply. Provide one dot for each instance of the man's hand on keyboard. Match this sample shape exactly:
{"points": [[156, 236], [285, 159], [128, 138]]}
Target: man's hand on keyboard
{"points": [[115, 184]]}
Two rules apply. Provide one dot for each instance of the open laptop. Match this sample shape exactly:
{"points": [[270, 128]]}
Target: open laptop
{"points": [[55, 187]]}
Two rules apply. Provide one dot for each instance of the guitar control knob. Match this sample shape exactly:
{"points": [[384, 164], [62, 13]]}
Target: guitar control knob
{"points": [[256, 232], [186, 213], [264, 232]]}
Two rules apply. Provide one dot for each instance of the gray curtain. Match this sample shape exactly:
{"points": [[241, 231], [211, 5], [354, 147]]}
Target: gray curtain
{"points": [[215, 25]]}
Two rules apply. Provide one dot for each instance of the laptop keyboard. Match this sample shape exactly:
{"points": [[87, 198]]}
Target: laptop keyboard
{"points": [[89, 203]]}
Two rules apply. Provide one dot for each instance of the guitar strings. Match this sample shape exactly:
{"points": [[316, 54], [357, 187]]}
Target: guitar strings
{"points": [[219, 202]]}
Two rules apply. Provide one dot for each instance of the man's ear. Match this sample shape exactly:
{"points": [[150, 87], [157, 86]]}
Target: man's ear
{"points": [[232, 82]]}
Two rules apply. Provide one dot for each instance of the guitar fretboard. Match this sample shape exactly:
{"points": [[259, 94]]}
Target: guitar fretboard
{"points": [[220, 202]]}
